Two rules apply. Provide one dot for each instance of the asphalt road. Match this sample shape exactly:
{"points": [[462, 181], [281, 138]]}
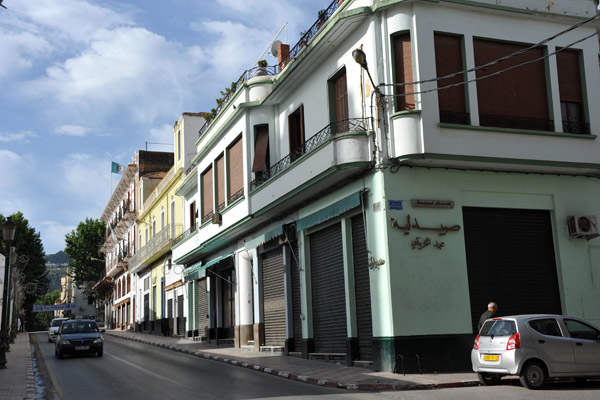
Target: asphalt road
{"points": [[132, 370]]}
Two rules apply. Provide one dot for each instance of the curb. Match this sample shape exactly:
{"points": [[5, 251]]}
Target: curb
{"points": [[370, 387]]}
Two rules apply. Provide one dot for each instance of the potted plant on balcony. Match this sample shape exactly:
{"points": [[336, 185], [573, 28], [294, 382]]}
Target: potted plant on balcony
{"points": [[262, 68], [322, 18]]}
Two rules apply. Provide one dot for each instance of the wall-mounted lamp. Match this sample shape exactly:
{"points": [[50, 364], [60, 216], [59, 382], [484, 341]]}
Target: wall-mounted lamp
{"points": [[361, 58]]}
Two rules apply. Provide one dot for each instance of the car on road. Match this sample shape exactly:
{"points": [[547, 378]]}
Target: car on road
{"points": [[79, 336], [536, 347], [53, 328]]}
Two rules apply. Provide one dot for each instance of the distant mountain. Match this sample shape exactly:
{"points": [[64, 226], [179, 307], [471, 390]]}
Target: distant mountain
{"points": [[59, 258]]}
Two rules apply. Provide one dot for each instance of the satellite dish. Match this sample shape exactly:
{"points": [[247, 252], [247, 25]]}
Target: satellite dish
{"points": [[275, 48]]}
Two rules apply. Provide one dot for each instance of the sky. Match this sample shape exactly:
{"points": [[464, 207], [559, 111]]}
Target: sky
{"points": [[84, 83]]}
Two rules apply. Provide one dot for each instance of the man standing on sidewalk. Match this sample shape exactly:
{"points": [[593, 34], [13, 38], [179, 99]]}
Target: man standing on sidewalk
{"points": [[491, 311]]}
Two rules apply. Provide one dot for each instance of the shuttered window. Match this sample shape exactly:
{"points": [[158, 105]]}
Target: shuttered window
{"points": [[571, 91], [235, 168], [362, 289], [207, 194], [220, 182], [449, 60], [273, 297], [261, 149], [296, 132], [403, 72], [202, 311], [515, 99], [339, 89]]}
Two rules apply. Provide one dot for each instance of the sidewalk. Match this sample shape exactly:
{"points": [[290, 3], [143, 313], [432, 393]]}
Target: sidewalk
{"points": [[17, 380], [303, 370]]}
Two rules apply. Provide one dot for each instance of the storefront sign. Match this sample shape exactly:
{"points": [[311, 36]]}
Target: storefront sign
{"points": [[432, 203], [395, 204]]}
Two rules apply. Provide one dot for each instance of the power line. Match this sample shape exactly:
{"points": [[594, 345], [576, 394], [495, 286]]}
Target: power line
{"points": [[489, 75], [496, 61]]}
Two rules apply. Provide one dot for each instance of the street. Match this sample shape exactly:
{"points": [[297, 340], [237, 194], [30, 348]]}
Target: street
{"points": [[134, 369]]}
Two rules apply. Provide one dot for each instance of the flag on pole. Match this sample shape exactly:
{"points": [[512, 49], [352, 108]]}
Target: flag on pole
{"points": [[117, 168]]}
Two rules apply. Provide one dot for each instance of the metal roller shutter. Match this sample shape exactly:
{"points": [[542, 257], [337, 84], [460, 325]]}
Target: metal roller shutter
{"points": [[273, 297], [202, 310], [180, 317], [328, 293], [362, 289], [511, 261], [296, 300]]}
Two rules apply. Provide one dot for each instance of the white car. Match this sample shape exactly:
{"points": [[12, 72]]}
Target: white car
{"points": [[53, 328], [536, 347]]}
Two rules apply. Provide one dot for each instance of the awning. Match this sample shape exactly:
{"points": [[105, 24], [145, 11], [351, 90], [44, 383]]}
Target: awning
{"points": [[264, 238], [329, 212], [197, 270]]}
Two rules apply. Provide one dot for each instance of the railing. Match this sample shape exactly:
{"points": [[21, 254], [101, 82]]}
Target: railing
{"points": [[576, 127], [502, 121], [246, 75], [324, 15], [159, 189], [235, 196], [350, 125], [155, 244], [452, 117], [207, 217], [186, 233]]}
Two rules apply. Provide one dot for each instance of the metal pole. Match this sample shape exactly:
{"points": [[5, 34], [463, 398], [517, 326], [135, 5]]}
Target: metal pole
{"points": [[4, 343]]}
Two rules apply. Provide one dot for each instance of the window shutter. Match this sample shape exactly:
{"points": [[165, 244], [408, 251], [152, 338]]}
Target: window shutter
{"points": [[207, 192], [260, 148], [403, 70], [221, 182], [449, 60], [235, 161]]}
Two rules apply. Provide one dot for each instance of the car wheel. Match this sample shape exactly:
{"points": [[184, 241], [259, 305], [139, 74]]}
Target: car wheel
{"points": [[533, 375], [489, 379]]}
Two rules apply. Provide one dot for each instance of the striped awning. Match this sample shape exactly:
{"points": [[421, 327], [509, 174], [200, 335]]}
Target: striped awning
{"points": [[198, 270], [329, 212], [264, 238]]}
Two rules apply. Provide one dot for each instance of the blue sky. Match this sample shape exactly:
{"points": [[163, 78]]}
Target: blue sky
{"points": [[84, 83]]}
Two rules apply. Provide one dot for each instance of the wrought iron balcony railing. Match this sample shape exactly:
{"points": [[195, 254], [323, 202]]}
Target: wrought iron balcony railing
{"points": [[452, 117], [187, 233], [350, 125], [324, 15], [576, 127], [502, 121]]}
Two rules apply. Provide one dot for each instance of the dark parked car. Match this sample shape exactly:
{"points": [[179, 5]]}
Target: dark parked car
{"points": [[79, 336], [536, 347]]}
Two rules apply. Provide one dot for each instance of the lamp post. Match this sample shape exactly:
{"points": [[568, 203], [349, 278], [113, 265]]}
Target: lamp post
{"points": [[8, 230]]}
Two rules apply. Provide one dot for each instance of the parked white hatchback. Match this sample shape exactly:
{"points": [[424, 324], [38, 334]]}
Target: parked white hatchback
{"points": [[53, 328], [536, 347]]}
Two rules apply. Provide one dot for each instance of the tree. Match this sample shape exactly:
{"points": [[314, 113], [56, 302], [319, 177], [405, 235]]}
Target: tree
{"points": [[33, 273], [83, 248], [43, 319]]}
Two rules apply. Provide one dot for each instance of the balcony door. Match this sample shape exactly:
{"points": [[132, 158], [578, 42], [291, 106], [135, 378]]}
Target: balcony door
{"points": [[339, 99], [296, 132]]}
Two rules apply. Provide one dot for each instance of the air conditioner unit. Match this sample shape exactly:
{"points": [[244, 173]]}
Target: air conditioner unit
{"points": [[583, 226], [217, 218]]}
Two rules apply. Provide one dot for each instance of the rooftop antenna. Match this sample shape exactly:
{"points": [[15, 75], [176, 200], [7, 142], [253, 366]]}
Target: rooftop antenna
{"points": [[2, 5], [270, 45]]}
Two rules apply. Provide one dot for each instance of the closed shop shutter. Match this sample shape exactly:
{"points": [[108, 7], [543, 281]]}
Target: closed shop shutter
{"points": [[202, 310], [362, 289], [511, 261], [170, 316], [296, 300], [328, 294], [273, 297], [180, 317]]}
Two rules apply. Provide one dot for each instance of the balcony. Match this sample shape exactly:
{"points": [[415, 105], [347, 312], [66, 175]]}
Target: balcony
{"points": [[159, 245], [324, 161], [576, 127], [503, 121]]}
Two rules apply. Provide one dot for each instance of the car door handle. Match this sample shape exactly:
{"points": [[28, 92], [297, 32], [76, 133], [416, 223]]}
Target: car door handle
{"points": [[541, 341]]}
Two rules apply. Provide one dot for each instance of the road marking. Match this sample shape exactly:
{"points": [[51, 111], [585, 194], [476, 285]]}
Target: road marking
{"points": [[138, 367]]}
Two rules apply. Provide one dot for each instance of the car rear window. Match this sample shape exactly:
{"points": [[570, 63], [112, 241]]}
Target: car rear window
{"points": [[498, 328], [546, 326], [57, 322]]}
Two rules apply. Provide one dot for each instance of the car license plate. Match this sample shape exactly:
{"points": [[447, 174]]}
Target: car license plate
{"points": [[82, 348], [491, 357]]}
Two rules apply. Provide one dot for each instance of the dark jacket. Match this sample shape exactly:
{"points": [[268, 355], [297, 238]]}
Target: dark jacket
{"points": [[486, 315]]}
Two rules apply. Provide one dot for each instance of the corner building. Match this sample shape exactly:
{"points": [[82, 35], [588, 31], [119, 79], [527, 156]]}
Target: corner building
{"points": [[370, 217]]}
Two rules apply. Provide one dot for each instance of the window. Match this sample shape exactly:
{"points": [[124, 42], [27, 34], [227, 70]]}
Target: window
{"points": [[173, 218], [498, 328], [449, 60], [235, 169], [153, 233], [162, 218], [338, 94], [179, 145], [261, 150], [220, 164], [296, 133], [515, 99], [206, 180], [547, 326], [147, 235], [571, 92], [579, 330], [193, 215], [403, 72]]}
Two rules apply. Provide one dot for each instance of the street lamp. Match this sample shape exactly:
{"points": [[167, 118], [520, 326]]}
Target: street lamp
{"points": [[361, 58], [8, 231]]}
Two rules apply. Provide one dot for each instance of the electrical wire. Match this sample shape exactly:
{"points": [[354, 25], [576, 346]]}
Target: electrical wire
{"points": [[496, 61], [486, 76]]}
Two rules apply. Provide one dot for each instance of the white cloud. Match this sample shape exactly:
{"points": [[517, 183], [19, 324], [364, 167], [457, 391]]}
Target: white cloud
{"points": [[72, 130], [22, 136], [19, 50], [127, 70], [53, 235], [162, 134]]}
